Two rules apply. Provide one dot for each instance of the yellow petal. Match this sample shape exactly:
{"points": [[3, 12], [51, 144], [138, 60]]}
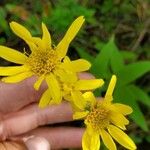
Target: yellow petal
{"points": [[88, 84], [54, 88], [46, 36], [39, 43], [66, 59], [121, 137], [32, 45], [39, 81], [78, 100], [17, 78], [66, 77], [13, 70], [111, 86], [124, 109], [20, 31], [119, 120], [90, 141], [108, 141], [45, 99], [62, 47], [80, 115], [90, 99], [12, 55], [78, 65]]}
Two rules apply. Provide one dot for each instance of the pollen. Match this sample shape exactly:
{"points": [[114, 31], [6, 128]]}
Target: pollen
{"points": [[43, 62], [98, 118]]}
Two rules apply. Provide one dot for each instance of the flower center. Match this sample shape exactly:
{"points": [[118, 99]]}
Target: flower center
{"points": [[43, 62], [98, 118]]}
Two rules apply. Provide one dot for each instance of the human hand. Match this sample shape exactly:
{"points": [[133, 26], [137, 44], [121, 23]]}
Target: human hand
{"points": [[22, 118]]}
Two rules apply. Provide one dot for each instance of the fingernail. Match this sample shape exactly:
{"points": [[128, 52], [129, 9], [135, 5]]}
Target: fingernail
{"points": [[27, 138], [36, 143]]}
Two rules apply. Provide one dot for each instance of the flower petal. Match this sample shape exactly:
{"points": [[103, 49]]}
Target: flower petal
{"points": [[90, 99], [62, 47], [107, 139], [18, 77], [88, 84], [12, 55], [54, 88], [111, 86], [45, 99], [46, 36], [119, 120], [13, 70], [80, 115], [20, 31], [66, 77], [78, 65], [38, 83], [121, 137], [124, 109], [39, 43], [90, 141], [78, 99]]}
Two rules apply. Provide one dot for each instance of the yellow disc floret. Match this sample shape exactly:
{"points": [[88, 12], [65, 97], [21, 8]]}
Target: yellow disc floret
{"points": [[43, 62], [98, 118]]}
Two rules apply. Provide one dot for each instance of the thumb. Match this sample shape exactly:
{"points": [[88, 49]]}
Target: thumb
{"points": [[36, 143]]}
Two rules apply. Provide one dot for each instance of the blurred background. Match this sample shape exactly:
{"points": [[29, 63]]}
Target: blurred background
{"points": [[115, 39]]}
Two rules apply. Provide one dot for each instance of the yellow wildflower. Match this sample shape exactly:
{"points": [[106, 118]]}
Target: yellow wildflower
{"points": [[44, 60], [72, 87], [104, 119]]}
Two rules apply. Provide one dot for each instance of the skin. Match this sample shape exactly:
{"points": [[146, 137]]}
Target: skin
{"points": [[22, 120]]}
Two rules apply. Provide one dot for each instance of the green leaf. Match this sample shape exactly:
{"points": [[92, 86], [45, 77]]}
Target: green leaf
{"points": [[131, 72], [129, 56], [100, 67], [85, 55], [126, 96], [140, 94], [117, 62]]}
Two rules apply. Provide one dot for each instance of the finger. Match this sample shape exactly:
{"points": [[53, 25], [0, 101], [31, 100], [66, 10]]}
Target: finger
{"points": [[36, 143], [15, 96], [60, 137], [86, 75], [31, 117]]}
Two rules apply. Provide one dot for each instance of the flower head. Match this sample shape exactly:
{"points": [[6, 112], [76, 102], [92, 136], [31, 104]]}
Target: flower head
{"points": [[104, 119], [72, 87], [44, 61]]}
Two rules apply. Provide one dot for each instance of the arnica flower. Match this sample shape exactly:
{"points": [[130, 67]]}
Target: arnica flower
{"points": [[44, 61], [72, 87], [104, 120]]}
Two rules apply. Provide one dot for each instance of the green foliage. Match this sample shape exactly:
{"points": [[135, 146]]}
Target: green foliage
{"points": [[56, 18], [60, 18], [110, 61]]}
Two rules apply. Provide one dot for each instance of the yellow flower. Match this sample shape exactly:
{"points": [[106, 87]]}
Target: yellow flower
{"points": [[44, 60], [72, 87], [104, 120]]}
